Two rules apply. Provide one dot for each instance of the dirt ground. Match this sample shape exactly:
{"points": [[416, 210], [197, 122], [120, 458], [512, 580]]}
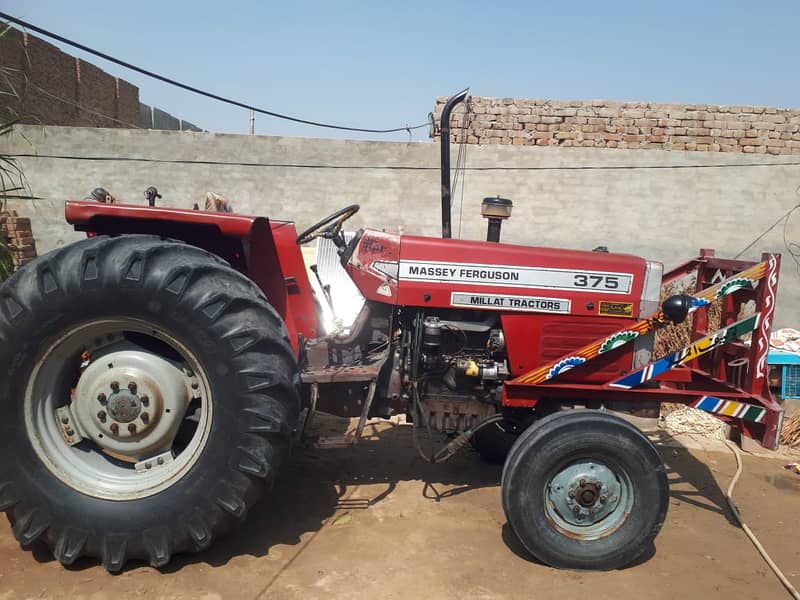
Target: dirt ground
{"points": [[375, 521]]}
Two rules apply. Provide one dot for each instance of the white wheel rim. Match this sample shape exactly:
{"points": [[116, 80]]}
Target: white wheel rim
{"points": [[85, 467]]}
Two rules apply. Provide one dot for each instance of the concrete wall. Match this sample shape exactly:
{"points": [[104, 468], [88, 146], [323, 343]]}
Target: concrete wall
{"points": [[640, 125], [662, 205], [151, 117]]}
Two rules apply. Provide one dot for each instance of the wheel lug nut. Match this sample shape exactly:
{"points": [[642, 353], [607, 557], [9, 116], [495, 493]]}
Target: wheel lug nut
{"points": [[145, 418], [145, 400], [132, 428], [70, 432], [132, 387], [65, 420], [571, 494], [115, 386], [102, 416], [101, 398], [195, 385], [114, 428]]}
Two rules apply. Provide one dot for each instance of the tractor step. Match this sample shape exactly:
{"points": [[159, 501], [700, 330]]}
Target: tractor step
{"points": [[335, 441], [339, 441]]}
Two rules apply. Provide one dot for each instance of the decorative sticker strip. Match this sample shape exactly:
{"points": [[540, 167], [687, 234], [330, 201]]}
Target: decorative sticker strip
{"points": [[627, 334], [730, 408], [689, 353]]}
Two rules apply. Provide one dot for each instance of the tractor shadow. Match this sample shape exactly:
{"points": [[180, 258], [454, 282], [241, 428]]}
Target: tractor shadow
{"points": [[691, 480], [318, 484]]}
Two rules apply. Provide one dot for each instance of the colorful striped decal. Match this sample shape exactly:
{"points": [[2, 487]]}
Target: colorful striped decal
{"points": [[688, 354], [730, 408], [548, 371]]}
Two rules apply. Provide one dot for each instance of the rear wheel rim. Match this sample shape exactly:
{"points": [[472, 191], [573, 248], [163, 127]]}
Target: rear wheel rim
{"points": [[96, 466], [587, 499]]}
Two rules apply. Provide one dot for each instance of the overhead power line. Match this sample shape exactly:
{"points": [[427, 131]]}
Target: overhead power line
{"points": [[399, 167], [78, 105], [193, 89]]}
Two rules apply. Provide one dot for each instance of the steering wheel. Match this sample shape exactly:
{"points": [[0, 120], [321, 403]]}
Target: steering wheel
{"points": [[330, 227]]}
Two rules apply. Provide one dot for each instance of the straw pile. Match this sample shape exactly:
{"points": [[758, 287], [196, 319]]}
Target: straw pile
{"points": [[676, 337], [691, 420], [790, 434]]}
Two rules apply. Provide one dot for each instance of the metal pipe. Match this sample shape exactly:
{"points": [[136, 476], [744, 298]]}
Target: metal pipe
{"points": [[365, 411], [444, 131], [312, 409], [493, 230]]}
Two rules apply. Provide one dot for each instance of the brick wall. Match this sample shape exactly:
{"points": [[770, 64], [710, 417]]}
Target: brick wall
{"points": [[53, 88], [41, 85], [644, 125], [17, 235]]}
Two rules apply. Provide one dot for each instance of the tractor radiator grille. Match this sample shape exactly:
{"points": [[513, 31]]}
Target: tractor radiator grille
{"points": [[561, 337]]}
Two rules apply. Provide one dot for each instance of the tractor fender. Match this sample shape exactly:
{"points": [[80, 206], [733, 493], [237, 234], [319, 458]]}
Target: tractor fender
{"points": [[263, 250]]}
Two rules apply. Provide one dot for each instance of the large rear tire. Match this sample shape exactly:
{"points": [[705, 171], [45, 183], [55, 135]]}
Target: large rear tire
{"points": [[585, 490], [146, 471]]}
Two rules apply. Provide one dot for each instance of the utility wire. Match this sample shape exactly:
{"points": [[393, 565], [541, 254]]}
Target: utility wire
{"points": [[78, 105], [461, 160], [784, 218], [400, 167], [193, 89], [793, 248]]}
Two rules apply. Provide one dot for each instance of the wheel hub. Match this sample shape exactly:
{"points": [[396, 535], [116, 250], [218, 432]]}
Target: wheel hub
{"points": [[124, 407], [584, 493], [131, 402]]}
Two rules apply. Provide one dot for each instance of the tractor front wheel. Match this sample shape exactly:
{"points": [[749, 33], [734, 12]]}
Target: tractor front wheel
{"points": [[585, 490], [150, 396]]}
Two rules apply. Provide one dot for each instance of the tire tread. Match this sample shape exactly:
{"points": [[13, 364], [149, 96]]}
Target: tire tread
{"points": [[241, 319]]}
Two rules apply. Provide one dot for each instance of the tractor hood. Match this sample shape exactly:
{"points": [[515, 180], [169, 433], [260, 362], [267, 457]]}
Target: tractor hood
{"points": [[434, 272]]}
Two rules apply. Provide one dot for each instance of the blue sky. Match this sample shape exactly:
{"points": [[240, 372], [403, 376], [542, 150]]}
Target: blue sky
{"points": [[381, 64]]}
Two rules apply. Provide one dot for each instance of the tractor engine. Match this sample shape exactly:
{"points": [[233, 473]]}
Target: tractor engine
{"points": [[462, 364]]}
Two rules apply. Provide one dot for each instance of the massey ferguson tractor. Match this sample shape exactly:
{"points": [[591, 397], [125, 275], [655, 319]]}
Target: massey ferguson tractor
{"points": [[157, 371]]}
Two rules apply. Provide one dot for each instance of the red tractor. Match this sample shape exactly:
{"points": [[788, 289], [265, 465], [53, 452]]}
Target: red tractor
{"points": [[157, 372]]}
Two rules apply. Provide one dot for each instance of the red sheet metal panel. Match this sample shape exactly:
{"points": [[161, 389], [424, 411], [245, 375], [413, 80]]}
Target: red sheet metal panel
{"points": [[507, 277]]}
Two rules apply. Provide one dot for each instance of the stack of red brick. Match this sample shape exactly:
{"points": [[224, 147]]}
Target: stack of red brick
{"points": [[16, 233], [641, 125]]}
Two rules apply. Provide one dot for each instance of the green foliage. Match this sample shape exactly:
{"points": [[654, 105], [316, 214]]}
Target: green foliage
{"points": [[12, 187], [6, 263]]}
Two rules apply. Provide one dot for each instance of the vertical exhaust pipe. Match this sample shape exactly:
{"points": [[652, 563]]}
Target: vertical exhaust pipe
{"points": [[444, 127]]}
